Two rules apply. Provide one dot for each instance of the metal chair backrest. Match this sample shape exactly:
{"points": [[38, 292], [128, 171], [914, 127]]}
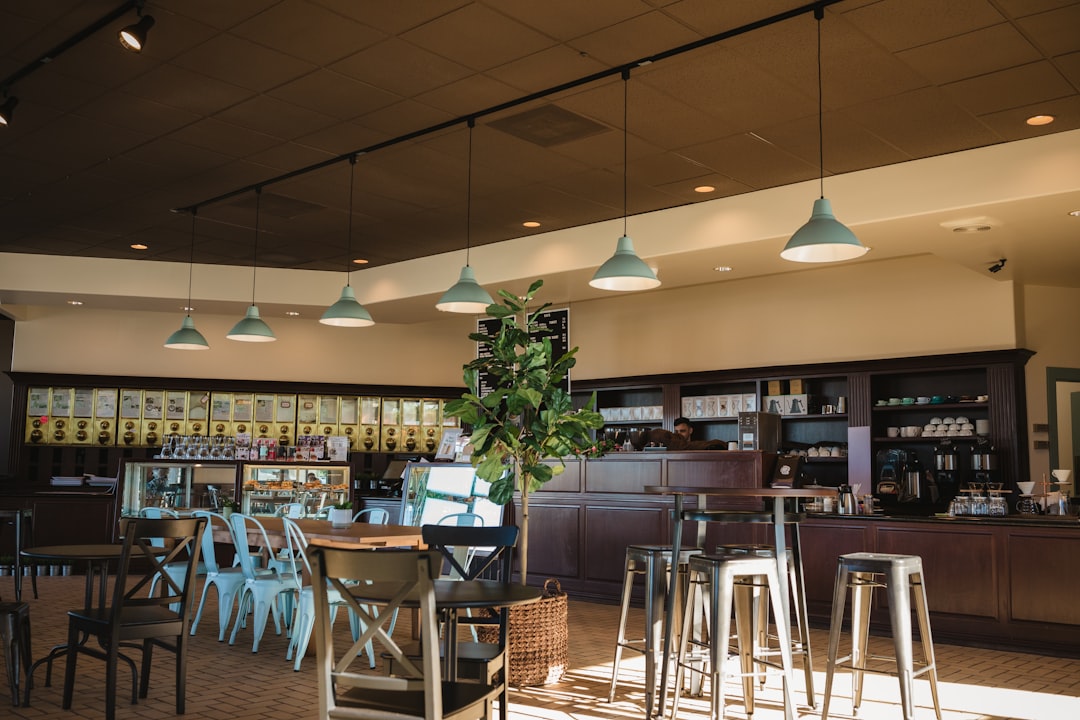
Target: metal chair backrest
{"points": [[464, 519], [347, 694], [296, 545], [291, 510], [242, 525], [209, 552], [157, 513], [373, 516]]}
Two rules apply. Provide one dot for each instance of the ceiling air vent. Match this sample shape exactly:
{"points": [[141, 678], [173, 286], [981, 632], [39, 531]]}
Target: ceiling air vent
{"points": [[548, 126]]}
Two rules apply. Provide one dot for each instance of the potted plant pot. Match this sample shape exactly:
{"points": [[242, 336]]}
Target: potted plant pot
{"points": [[340, 517]]}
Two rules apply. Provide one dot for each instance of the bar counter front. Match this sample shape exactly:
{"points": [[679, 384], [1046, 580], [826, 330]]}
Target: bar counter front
{"points": [[1007, 583]]}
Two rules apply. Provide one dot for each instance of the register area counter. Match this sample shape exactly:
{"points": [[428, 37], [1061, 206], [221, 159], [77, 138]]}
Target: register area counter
{"points": [[997, 582]]}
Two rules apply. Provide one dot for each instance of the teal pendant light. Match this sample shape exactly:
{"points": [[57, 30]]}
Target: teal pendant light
{"points": [[625, 271], [252, 328], [466, 295], [187, 337], [347, 311], [823, 238]]}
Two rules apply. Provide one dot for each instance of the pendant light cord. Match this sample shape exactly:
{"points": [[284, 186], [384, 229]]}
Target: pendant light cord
{"points": [[625, 146], [819, 14], [255, 259], [348, 240], [468, 195], [191, 261]]}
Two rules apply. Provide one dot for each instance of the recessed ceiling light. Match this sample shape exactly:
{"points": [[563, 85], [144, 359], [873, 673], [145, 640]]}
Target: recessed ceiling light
{"points": [[292, 313], [1040, 120], [1075, 213], [530, 224], [360, 261], [704, 189], [139, 246], [972, 228], [722, 268], [74, 302], [187, 308]]}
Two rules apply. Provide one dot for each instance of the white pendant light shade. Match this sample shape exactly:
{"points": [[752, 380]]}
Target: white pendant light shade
{"points": [[624, 270], [347, 311], [187, 337], [466, 295], [251, 328], [823, 239]]}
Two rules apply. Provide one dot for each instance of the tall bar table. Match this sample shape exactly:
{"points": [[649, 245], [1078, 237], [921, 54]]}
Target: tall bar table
{"points": [[779, 497]]}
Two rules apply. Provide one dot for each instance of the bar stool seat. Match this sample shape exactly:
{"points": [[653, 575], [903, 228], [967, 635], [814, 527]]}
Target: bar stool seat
{"points": [[15, 639], [653, 562], [732, 580], [901, 577]]}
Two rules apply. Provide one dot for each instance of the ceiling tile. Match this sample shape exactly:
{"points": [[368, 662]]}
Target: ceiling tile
{"points": [[1010, 88], [478, 37], [342, 138], [307, 31], [265, 114], [1010, 124], [711, 18], [848, 147], [922, 123], [76, 142], [635, 38], [568, 19], [241, 62], [401, 68], [129, 111], [1069, 65], [224, 138], [751, 161], [187, 90], [983, 51], [902, 24], [334, 94], [476, 92], [403, 118], [1055, 32], [286, 157], [547, 69], [395, 17], [217, 14]]}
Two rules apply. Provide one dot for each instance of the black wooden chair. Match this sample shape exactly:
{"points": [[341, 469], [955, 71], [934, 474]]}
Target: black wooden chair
{"points": [[135, 619], [472, 553], [347, 687]]}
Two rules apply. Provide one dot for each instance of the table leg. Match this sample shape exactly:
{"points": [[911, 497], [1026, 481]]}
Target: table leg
{"points": [[18, 555], [783, 613], [669, 606]]}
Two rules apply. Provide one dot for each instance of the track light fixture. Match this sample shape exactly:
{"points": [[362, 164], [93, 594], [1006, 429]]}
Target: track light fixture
{"points": [[8, 108], [133, 37]]}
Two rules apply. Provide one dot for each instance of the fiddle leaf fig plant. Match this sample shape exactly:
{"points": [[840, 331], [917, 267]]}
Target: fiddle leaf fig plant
{"points": [[528, 418]]}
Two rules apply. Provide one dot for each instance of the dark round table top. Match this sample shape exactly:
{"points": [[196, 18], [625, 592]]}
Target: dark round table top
{"points": [[103, 551], [455, 594]]}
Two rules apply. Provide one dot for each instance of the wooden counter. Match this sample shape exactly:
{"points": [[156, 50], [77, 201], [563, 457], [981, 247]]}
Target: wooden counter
{"points": [[996, 582]]}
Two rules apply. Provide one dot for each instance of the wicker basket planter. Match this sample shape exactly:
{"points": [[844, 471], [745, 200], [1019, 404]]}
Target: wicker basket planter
{"points": [[537, 639]]}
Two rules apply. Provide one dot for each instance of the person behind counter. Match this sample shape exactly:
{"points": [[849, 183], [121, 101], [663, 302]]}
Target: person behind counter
{"points": [[684, 428]]}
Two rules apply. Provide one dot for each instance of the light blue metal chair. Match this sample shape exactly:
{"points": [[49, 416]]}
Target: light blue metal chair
{"points": [[373, 516], [226, 580], [261, 593]]}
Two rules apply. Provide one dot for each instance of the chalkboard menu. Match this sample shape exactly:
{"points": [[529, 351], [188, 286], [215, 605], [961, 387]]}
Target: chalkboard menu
{"points": [[553, 324]]}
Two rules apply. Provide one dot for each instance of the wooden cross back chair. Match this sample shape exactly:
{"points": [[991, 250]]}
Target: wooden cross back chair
{"points": [[136, 619], [347, 686]]}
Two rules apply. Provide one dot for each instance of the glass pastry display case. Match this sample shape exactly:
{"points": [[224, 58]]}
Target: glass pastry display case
{"points": [[175, 485], [295, 489]]}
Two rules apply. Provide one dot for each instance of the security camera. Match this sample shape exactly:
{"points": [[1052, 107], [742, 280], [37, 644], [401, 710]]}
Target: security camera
{"points": [[998, 266]]}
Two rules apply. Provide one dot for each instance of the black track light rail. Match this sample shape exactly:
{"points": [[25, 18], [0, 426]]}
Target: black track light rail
{"points": [[621, 70], [50, 55]]}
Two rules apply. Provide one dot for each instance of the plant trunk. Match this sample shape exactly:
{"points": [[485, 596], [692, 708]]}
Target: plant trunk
{"points": [[523, 539]]}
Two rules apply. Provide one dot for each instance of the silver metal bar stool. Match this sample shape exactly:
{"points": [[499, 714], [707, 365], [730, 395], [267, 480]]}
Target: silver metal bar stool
{"points": [[901, 576], [653, 562], [732, 580]]}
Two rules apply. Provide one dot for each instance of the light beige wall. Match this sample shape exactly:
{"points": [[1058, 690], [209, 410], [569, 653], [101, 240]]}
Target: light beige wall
{"points": [[104, 342], [1050, 318], [912, 306]]}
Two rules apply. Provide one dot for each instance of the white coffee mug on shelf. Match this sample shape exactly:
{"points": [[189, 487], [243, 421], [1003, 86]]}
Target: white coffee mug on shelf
{"points": [[892, 432]]}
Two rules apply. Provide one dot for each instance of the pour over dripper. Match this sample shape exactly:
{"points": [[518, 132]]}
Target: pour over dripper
{"points": [[1062, 476], [1026, 487]]}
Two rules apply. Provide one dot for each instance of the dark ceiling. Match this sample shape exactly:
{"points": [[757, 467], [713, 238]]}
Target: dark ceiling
{"points": [[104, 142]]}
